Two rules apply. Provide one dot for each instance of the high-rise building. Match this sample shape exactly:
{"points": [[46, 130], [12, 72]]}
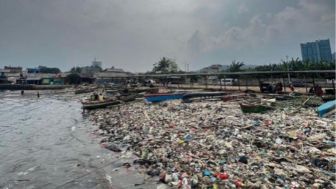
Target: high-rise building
{"points": [[316, 51]]}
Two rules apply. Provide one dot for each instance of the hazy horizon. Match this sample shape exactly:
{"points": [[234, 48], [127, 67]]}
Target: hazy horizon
{"points": [[133, 35]]}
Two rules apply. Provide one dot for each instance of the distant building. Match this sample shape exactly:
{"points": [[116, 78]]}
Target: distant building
{"points": [[334, 56], [316, 51], [3, 76], [111, 75], [216, 68], [89, 71], [11, 73], [34, 76], [13, 69], [96, 63], [33, 70]]}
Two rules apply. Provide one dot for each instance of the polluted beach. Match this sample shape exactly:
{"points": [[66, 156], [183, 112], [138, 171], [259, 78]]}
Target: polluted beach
{"points": [[212, 143], [157, 94], [159, 137]]}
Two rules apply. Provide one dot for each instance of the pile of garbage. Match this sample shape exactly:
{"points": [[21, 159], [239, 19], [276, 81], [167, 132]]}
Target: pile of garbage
{"points": [[214, 145]]}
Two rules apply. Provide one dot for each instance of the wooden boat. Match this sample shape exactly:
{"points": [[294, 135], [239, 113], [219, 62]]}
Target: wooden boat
{"points": [[326, 107], [254, 108], [283, 97], [87, 90], [327, 98], [159, 97], [188, 97], [127, 98], [313, 101], [233, 97], [89, 105]]}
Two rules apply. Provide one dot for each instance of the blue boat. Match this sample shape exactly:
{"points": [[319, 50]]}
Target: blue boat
{"points": [[159, 97], [326, 107]]}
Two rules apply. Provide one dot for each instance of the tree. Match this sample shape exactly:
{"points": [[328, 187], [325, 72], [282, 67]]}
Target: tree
{"points": [[73, 78], [44, 69], [165, 65], [236, 66], [76, 70]]}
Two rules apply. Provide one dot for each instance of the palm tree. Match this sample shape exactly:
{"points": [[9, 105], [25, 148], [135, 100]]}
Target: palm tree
{"points": [[236, 66], [165, 65]]}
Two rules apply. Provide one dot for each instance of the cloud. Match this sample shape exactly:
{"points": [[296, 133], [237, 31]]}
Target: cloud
{"points": [[307, 21], [135, 34], [242, 9]]}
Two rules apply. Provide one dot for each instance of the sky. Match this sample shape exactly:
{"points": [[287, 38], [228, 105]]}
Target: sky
{"points": [[135, 34]]}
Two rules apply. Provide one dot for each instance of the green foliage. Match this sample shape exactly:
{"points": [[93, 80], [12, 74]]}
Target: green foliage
{"points": [[165, 65], [73, 78], [44, 69], [76, 70], [235, 66], [297, 65]]}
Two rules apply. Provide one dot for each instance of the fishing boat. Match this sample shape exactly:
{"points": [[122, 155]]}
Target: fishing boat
{"points": [[127, 97], [327, 98], [284, 97], [89, 105], [188, 97], [159, 97], [326, 107], [233, 97], [254, 108], [86, 90]]}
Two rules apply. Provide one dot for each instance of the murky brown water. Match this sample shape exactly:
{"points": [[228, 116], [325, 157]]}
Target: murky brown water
{"points": [[48, 143]]}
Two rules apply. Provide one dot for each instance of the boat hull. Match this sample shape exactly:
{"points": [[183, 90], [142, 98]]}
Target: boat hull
{"points": [[162, 97], [96, 105], [251, 108], [326, 107], [188, 97], [82, 91]]}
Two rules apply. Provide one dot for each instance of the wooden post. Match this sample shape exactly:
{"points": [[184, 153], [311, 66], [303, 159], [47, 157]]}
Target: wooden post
{"points": [[190, 82], [314, 81], [220, 83], [246, 83], [284, 84], [305, 83], [224, 83]]}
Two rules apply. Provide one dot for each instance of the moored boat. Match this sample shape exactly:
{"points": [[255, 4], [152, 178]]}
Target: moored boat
{"points": [[327, 98], [159, 97], [326, 107], [128, 97], [99, 104], [189, 96], [254, 108], [233, 97], [87, 90]]}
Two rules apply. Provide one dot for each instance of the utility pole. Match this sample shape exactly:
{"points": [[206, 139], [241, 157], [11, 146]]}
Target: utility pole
{"points": [[289, 80]]}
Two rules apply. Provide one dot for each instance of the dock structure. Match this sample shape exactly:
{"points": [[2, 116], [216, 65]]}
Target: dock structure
{"points": [[247, 80]]}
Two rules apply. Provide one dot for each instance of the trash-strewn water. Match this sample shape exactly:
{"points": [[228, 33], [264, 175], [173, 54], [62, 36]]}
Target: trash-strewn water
{"points": [[47, 143]]}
